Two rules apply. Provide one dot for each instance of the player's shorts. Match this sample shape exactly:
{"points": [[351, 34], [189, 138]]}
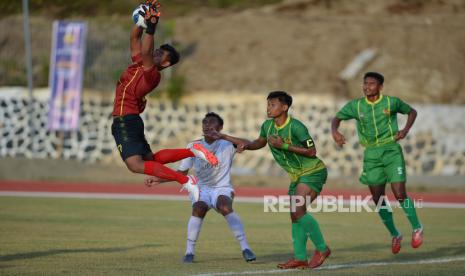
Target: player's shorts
{"points": [[384, 164], [210, 195], [314, 180], [128, 132]]}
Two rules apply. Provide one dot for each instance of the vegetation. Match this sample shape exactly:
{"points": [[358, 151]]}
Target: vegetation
{"points": [[176, 87]]}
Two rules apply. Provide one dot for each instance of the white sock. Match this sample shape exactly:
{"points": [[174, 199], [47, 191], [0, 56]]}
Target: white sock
{"points": [[193, 230], [236, 227]]}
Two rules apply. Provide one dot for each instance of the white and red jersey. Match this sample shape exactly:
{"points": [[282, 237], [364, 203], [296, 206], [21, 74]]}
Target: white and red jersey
{"points": [[209, 176]]}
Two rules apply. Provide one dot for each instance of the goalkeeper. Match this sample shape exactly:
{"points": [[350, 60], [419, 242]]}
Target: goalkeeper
{"points": [[138, 80]]}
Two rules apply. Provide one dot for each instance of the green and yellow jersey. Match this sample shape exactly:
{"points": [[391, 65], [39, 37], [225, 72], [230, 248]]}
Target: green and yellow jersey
{"points": [[377, 121], [292, 132]]}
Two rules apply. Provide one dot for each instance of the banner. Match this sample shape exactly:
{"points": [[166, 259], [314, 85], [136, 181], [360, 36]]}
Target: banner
{"points": [[66, 74]]}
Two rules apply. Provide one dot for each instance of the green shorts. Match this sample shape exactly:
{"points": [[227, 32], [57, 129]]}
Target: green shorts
{"points": [[314, 180], [384, 164]]}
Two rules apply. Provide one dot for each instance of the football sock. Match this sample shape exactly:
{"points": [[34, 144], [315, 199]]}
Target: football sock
{"points": [[409, 209], [312, 229], [172, 155], [299, 242], [236, 227], [158, 170], [193, 230], [386, 217]]}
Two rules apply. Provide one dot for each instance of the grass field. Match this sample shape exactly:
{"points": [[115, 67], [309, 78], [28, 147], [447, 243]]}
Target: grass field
{"points": [[40, 236]]}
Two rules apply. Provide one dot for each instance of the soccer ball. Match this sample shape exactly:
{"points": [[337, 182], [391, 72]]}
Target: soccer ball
{"points": [[137, 18]]}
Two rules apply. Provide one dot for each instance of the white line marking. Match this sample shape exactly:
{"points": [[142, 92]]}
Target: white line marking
{"points": [[340, 266], [440, 205], [94, 195]]}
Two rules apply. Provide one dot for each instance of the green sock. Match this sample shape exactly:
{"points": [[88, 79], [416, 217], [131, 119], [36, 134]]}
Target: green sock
{"points": [[386, 217], [299, 241], [409, 210], [312, 229]]}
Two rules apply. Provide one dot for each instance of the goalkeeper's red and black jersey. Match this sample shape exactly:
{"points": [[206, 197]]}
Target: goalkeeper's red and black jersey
{"points": [[134, 84]]}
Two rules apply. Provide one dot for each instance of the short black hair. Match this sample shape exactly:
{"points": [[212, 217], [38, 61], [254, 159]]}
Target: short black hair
{"points": [[282, 96], [174, 55], [377, 76], [218, 117]]}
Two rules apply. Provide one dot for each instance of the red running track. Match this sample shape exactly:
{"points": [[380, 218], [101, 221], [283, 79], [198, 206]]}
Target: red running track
{"points": [[169, 189]]}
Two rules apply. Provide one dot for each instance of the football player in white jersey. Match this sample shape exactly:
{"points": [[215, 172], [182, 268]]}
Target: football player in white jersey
{"points": [[216, 190]]}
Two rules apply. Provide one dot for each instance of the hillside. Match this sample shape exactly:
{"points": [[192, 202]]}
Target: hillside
{"points": [[300, 46]]}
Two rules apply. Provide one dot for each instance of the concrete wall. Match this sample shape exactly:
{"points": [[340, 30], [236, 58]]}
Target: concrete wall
{"points": [[435, 145]]}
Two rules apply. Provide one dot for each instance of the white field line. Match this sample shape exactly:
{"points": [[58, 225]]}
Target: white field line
{"points": [[341, 266], [94, 195], [180, 197]]}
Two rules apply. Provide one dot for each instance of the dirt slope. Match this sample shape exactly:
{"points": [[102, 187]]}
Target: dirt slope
{"points": [[303, 45]]}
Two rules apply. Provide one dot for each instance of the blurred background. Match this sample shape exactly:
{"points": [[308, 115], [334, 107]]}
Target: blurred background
{"points": [[234, 52]]}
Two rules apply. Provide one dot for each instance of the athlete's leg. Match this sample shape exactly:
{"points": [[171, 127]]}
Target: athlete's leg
{"points": [[385, 212], [172, 155], [378, 192], [408, 206], [149, 157], [224, 206], [199, 210], [303, 226], [399, 191], [196, 150], [136, 164], [306, 221]]}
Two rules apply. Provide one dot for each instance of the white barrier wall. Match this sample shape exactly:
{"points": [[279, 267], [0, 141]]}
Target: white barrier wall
{"points": [[435, 145]]}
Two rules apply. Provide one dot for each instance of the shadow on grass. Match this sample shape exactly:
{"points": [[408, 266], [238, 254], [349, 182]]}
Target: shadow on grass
{"points": [[38, 254], [282, 257], [365, 247], [453, 250]]}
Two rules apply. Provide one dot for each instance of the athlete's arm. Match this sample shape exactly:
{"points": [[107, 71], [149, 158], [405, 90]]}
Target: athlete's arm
{"points": [[151, 19], [244, 144], [256, 144], [337, 136], [241, 143], [147, 51], [412, 115], [135, 43], [308, 150]]}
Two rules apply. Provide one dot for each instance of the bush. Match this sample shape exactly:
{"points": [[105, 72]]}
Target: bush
{"points": [[176, 88]]}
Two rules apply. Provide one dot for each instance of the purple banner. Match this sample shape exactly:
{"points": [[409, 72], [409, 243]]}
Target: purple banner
{"points": [[66, 74]]}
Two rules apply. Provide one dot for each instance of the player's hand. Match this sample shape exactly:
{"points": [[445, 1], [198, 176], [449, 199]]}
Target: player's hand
{"points": [[152, 181], [151, 14], [339, 138], [275, 141], [401, 134], [241, 147]]}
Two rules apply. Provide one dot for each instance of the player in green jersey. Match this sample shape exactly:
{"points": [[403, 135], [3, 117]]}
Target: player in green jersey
{"points": [[293, 149], [383, 161]]}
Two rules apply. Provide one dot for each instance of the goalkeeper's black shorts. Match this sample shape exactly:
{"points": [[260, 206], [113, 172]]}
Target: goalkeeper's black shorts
{"points": [[128, 132]]}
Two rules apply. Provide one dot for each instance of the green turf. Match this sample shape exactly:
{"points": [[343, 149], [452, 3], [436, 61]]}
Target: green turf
{"points": [[128, 237]]}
